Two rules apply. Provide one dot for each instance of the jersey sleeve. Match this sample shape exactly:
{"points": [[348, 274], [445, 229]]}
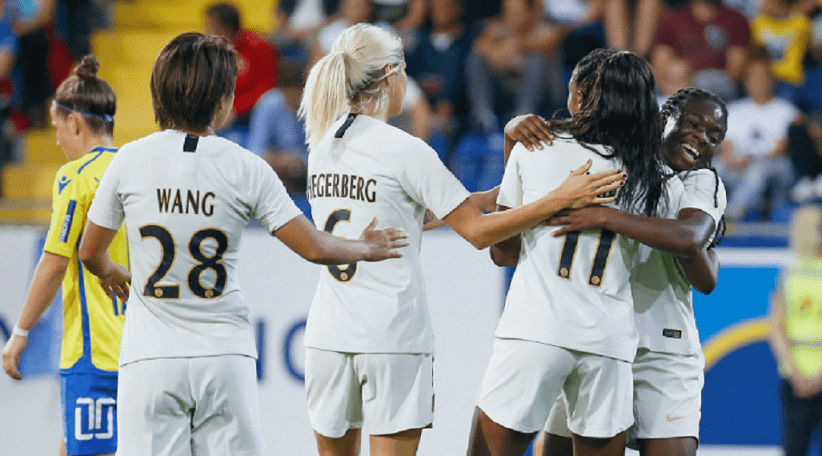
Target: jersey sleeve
{"points": [[272, 206], [107, 208], [510, 190], [428, 182], [68, 217], [704, 191]]}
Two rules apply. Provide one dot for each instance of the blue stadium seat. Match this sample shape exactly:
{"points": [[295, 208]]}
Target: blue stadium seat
{"points": [[477, 161]]}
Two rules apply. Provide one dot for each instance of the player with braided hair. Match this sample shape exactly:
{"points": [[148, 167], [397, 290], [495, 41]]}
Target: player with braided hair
{"points": [[668, 367]]}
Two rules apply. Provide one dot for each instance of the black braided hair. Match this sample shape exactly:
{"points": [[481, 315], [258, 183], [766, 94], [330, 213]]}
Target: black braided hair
{"points": [[721, 226], [619, 110]]}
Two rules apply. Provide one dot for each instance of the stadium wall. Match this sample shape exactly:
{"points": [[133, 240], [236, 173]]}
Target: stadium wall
{"points": [[740, 401]]}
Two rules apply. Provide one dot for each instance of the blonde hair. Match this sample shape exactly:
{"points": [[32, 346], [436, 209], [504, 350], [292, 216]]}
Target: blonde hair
{"points": [[348, 77], [806, 232]]}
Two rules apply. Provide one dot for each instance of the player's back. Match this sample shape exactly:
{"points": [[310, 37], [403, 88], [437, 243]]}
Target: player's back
{"points": [[571, 291], [92, 322], [186, 201], [362, 169]]}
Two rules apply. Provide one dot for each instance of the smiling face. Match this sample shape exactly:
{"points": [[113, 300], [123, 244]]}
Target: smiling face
{"points": [[691, 139]]}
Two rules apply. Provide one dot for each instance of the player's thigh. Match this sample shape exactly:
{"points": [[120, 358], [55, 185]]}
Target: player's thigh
{"points": [[403, 443], [667, 396], [332, 392], [600, 395], [89, 413], [226, 419], [397, 391], [154, 408], [521, 383]]}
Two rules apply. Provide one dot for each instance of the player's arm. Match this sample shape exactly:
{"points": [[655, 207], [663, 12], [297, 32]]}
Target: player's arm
{"points": [[506, 253], [685, 236], [702, 270], [93, 252], [44, 285], [579, 189], [321, 247], [485, 201]]}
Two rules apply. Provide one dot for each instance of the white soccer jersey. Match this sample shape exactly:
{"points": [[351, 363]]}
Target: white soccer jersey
{"points": [[186, 200], [662, 294], [571, 291], [364, 168]]}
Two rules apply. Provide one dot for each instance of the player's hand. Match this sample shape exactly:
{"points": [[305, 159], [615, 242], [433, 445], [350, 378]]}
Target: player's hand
{"points": [[11, 355], [383, 244], [589, 218], [115, 282], [530, 130], [581, 189]]}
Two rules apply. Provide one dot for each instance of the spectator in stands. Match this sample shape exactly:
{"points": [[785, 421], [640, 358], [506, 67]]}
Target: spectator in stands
{"points": [[786, 33], [299, 21], [30, 21], [712, 37], [753, 160], [796, 333], [629, 28], [351, 12], [256, 65], [436, 58], [8, 55], [403, 15], [506, 68], [276, 133], [678, 75]]}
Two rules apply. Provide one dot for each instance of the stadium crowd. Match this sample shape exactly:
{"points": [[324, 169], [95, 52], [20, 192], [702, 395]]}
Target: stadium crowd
{"points": [[471, 69]]}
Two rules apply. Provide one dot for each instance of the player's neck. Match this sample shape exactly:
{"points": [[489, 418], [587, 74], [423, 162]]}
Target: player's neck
{"points": [[371, 111], [94, 141]]}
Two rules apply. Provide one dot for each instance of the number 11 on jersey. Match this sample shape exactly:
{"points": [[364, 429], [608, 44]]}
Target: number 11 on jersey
{"points": [[566, 258]]}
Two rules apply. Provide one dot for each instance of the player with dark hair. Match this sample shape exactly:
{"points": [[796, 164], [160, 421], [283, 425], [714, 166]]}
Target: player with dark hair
{"points": [[186, 195], [542, 349], [369, 339], [83, 115], [677, 254]]}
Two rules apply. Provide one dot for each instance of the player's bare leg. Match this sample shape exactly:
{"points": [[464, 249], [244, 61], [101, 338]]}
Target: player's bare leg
{"points": [[680, 446], [347, 445], [587, 446], [491, 439], [403, 443], [554, 445]]}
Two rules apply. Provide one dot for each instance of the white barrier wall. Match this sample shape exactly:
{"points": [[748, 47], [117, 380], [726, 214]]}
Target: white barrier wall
{"points": [[465, 294]]}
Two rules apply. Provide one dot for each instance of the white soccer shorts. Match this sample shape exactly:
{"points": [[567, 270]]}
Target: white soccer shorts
{"points": [[667, 398], [525, 378], [382, 393], [189, 406]]}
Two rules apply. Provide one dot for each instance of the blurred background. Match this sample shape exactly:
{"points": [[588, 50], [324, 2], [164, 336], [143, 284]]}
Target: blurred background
{"points": [[472, 65]]}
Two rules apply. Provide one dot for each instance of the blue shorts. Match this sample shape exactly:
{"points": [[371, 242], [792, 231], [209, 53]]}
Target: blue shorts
{"points": [[89, 413]]}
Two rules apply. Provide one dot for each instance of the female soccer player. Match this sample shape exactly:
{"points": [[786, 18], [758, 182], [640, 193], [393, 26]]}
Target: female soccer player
{"points": [[668, 368], [187, 370], [369, 340], [83, 115], [568, 319]]}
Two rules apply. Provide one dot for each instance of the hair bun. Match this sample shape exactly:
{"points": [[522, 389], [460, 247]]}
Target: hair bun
{"points": [[88, 67]]}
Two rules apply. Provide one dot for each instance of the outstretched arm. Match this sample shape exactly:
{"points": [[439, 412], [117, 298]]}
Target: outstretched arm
{"points": [[321, 247], [579, 189], [685, 236]]}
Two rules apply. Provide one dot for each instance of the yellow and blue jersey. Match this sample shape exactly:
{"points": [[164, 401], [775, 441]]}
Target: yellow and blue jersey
{"points": [[803, 315], [92, 322]]}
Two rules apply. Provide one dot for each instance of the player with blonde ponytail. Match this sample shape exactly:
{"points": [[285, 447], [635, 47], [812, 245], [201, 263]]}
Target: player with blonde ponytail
{"points": [[369, 340]]}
